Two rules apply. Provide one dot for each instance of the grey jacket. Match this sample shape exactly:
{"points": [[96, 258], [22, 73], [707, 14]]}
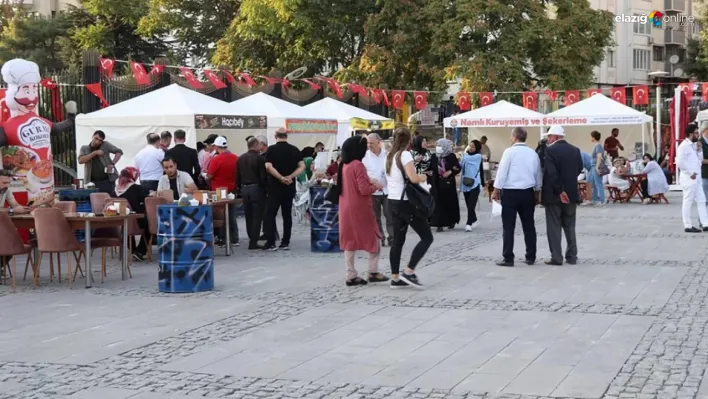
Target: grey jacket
{"points": [[108, 150]]}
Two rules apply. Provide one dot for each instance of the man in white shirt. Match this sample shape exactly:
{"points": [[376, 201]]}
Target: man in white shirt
{"points": [[149, 163], [689, 164], [518, 183], [375, 162]]}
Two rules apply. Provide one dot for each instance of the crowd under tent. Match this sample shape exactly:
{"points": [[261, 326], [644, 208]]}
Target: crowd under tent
{"points": [[603, 114], [351, 119], [496, 122], [128, 123], [306, 128]]}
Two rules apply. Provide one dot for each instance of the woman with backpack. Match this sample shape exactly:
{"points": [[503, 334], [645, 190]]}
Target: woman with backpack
{"points": [[598, 168], [400, 171]]}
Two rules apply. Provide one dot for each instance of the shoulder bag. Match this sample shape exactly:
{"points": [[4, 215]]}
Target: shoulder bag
{"points": [[421, 201], [469, 181], [603, 169]]}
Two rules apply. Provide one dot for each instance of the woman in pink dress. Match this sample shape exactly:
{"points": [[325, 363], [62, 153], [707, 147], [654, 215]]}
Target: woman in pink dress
{"points": [[358, 229]]}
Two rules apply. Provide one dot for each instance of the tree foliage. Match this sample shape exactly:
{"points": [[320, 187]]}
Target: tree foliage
{"points": [[696, 63], [34, 38]]}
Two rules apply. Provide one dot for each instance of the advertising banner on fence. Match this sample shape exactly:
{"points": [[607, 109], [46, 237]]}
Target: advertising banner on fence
{"points": [[316, 126], [229, 122]]}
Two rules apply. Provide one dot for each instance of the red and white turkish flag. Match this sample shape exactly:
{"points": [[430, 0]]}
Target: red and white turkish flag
{"points": [[214, 79], [107, 65], [640, 94], [571, 97], [313, 85], [248, 79], [486, 98], [157, 69], [191, 79], [619, 94], [384, 96], [399, 98], [530, 100], [552, 95], [592, 92], [687, 89], [421, 99], [357, 89], [704, 91], [463, 101], [141, 77]]}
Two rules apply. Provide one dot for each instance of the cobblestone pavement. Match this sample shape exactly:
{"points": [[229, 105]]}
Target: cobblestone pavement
{"points": [[629, 321]]}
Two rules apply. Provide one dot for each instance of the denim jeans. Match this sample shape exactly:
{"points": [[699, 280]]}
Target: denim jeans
{"points": [[598, 189]]}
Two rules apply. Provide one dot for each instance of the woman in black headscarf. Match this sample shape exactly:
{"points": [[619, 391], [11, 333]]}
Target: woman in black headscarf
{"points": [[424, 160], [358, 229]]}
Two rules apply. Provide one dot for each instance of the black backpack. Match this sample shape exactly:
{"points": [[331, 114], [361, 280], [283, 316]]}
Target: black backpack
{"points": [[422, 202]]}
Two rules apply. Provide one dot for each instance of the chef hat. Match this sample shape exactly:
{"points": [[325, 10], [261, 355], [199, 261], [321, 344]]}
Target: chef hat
{"points": [[16, 73]]}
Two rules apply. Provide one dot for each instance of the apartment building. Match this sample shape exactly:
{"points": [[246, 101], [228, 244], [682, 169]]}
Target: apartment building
{"points": [[46, 7], [641, 47]]}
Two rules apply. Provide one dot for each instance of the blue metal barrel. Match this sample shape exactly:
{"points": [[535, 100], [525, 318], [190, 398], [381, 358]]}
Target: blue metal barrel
{"points": [[185, 240], [324, 222]]}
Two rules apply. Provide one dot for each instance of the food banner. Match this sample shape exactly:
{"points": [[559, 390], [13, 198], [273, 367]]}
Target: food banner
{"points": [[312, 126], [220, 122], [546, 121], [364, 124]]}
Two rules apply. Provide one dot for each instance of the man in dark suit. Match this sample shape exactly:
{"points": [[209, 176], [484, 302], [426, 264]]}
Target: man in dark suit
{"points": [[186, 158], [560, 195]]}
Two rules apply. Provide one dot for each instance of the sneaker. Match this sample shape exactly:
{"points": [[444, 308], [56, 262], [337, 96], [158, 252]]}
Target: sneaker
{"points": [[139, 257], [284, 247], [475, 225], [398, 284], [599, 204], [270, 247], [692, 230], [411, 279], [468, 228], [377, 278]]}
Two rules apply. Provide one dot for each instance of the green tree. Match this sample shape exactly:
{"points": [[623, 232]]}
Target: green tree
{"points": [[195, 25], [696, 63], [34, 38], [110, 26]]}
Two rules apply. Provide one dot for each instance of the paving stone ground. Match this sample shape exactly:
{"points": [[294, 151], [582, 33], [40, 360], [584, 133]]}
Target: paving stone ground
{"points": [[628, 321]]}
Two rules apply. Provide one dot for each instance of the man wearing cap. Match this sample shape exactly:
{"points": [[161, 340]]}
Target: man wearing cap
{"points": [[560, 194], [517, 184], [222, 174]]}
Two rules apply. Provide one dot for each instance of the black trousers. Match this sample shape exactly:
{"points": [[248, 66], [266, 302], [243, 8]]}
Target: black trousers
{"points": [[254, 204], [106, 186], [402, 218], [645, 188], [471, 198], [149, 185], [523, 203], [280, 198]]}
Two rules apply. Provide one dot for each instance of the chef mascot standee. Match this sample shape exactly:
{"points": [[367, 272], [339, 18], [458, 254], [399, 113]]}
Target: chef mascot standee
{"points": [[25, 138]]}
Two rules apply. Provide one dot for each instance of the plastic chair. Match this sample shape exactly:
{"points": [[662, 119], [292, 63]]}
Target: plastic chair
{"points": [[151, 204], [11, 245], [66, 206]]}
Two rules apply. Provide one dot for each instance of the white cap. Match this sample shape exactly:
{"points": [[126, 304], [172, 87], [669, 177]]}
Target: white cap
{"points": [[221, 142], [555, 130]]}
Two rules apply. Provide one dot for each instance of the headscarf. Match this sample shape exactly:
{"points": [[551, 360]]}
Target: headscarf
{"points": [[417, 149], [127, 178], [353, 149], [418, 144], [308, 152], [446, 147]]}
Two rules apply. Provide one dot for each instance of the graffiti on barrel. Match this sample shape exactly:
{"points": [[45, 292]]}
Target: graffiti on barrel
{"points": [[185, 239], [324, 222]]}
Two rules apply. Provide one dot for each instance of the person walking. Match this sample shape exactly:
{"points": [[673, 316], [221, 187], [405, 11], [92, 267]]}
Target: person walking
{"points": [[472, 180], [358, 230], [690, 166], [251, 181], [375, 162], [283, 163], [597, 160], [99, 168], [222, 173], [399, 161], [517, 184], [186, 158], [447, 204], [149, 163], [560, 195]]}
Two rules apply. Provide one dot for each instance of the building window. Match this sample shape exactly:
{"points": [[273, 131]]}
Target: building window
{"points": [[658, 53], [642, 29], [641, 59], [610, 57]]}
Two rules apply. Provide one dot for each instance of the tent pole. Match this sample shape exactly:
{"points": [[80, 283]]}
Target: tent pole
{"points": [[658, 122], [677, 117]]}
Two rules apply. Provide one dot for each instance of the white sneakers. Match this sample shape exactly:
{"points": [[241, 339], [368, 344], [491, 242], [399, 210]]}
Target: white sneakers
{"points": [[469, 228]]}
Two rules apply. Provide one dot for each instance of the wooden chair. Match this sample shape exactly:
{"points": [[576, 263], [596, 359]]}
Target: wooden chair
{"points": [[614, 193], [151, 204], [656, 199], [98, 201], [11, 245], [167, 195]]}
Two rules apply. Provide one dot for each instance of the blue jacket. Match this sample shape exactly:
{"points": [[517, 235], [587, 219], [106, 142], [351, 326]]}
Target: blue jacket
{"points": [[470, 167]]}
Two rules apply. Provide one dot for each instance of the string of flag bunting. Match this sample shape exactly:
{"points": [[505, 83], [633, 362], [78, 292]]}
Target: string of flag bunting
{"points": [[397, 99]]}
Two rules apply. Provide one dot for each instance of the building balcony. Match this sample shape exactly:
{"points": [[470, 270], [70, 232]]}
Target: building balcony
{"points": [[675, 5], [675, 70], [674, 37]]}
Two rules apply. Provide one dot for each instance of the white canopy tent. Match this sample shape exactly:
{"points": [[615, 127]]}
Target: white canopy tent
{"points": [[127, 123], [496, 121], [306, 127], [350, 118], [603, 114]]}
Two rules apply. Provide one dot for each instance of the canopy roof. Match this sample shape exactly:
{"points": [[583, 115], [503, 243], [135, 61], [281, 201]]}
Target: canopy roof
{"points": [[342, 112], [264, 104], [597, 110], [500, 114]]}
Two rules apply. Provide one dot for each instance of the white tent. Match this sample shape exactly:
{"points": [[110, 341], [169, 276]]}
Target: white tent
{"points": [[307, 129], [350, 118], [496, 121], [127, 123], [603, 114]]}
